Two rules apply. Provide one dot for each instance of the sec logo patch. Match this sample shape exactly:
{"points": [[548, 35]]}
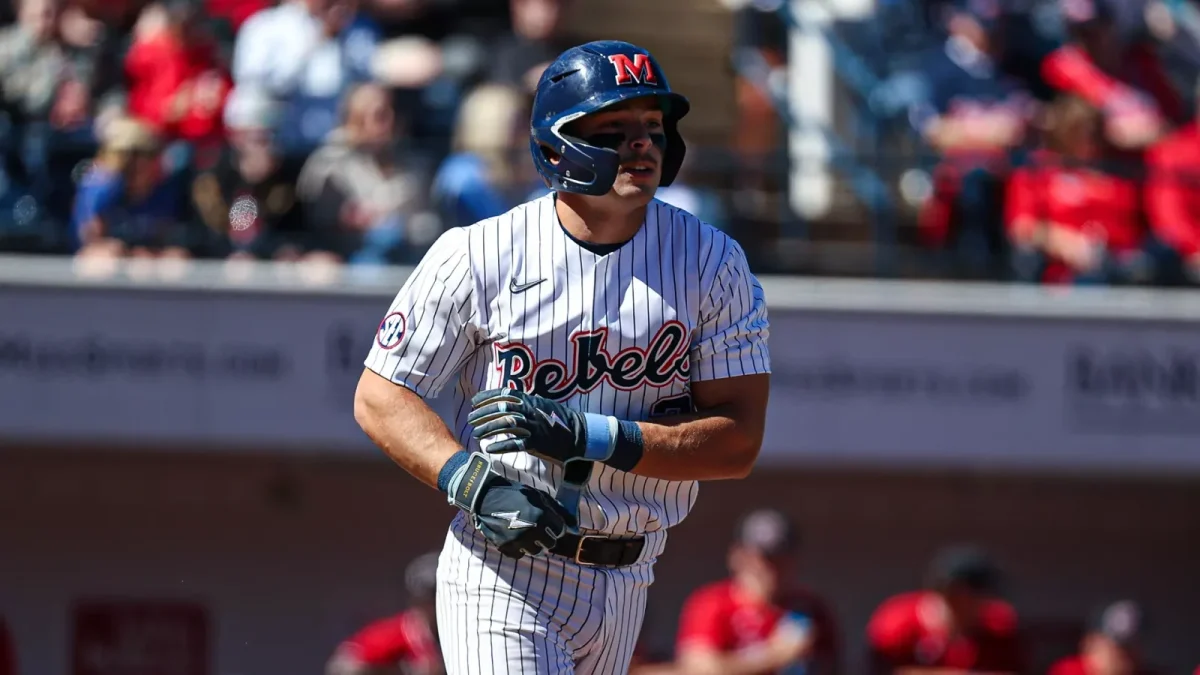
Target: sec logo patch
{"points": [[391, 331]]}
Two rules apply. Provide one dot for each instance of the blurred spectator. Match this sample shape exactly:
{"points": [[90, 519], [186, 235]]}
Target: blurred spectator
{"points": [[357, 194], [248, 200], [489, 171], [956, 623], [176, 84], [536, 40], [973, 117], [43, 77], [126, 205], [1124, 80], [1068, 219], [407, 641], [760, 37], [759, 620], [306, 53], [435, 51], [1112, 645], [1173, 197], [8, 655], [58, 75]]}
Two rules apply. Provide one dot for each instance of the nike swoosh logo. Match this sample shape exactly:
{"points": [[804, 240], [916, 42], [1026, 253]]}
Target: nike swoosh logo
{"points": [[514, 287]]}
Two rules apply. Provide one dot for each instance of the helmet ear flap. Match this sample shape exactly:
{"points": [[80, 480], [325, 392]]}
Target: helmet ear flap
{"points": [[676, 150], [580, 168]]}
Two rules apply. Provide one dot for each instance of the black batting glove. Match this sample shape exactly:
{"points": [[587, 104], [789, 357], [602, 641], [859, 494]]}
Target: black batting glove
{"points": [[517, 519], [551, 430]]}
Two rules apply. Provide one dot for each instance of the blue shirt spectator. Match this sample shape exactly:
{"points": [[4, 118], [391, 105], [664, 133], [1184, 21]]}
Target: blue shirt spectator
{"points": [[124, 201]]}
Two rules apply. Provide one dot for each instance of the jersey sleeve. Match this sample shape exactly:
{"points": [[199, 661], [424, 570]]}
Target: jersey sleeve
{"points": [[702, 623], [732, 336], [429, 331]]}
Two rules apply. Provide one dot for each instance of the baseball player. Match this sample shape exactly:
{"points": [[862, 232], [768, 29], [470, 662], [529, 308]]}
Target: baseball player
{"points": [[609, 352]]}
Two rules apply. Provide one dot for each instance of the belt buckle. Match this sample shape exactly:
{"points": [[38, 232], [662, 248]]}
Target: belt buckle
{"points": [[579, 549]]}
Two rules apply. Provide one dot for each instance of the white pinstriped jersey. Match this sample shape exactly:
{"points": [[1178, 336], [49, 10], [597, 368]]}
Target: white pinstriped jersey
{"points": [[514, 300]]}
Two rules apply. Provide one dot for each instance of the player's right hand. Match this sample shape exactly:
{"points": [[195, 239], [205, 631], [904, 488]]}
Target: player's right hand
{"points": [[517, 519]]}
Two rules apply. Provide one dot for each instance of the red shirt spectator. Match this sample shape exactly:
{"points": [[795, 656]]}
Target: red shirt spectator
{"points": [[175, 82], [720, 618], [1052, 200], [1173, 192], [1079, 222], [757, 621]]}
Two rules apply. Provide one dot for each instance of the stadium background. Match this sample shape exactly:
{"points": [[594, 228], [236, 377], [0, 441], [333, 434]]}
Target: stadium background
{"points": [[181, 434]]}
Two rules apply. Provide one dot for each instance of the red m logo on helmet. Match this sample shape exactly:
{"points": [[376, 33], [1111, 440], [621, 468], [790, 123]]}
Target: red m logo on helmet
{"points": [[637, 69]]}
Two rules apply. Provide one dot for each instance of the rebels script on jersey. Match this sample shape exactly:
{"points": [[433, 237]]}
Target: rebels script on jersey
{"points": [[514, 300]]}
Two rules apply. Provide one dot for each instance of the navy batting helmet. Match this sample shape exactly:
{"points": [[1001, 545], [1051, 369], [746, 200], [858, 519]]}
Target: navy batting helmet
{"points": [[584, 80]]}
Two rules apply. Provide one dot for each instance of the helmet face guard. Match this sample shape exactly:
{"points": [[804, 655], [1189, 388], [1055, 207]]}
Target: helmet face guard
{"points": [[585, 80]]}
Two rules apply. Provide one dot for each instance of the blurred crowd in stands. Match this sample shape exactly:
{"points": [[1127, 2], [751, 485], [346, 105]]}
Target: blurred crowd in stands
{"points": [[1067, 149], [1062, 132], [336, 130], [762, 618]]}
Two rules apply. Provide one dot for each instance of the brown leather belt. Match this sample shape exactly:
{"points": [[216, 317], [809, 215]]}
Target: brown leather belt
{"points": [[598, 550]]}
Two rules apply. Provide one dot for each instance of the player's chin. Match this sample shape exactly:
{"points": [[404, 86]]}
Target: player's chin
{"points": [[629, 186]]}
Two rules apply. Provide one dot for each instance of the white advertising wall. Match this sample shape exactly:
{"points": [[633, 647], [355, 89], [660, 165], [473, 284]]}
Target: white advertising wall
{"points": [[871, 375]]}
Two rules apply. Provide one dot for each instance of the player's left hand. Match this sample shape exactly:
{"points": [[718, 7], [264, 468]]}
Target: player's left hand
{"points": [[539, 426]]}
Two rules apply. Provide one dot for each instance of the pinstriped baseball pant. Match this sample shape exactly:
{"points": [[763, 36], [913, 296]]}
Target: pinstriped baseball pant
{"points": [[543, 615]]}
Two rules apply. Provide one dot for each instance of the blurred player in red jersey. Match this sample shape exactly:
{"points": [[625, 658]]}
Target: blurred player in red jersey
{"points": [[1111, 646], [758, 621], [407, 642], [956, 625]]}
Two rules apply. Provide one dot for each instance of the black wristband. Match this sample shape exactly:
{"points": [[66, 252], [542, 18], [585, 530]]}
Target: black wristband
{"points": [[446, 475], [629, 446]]}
